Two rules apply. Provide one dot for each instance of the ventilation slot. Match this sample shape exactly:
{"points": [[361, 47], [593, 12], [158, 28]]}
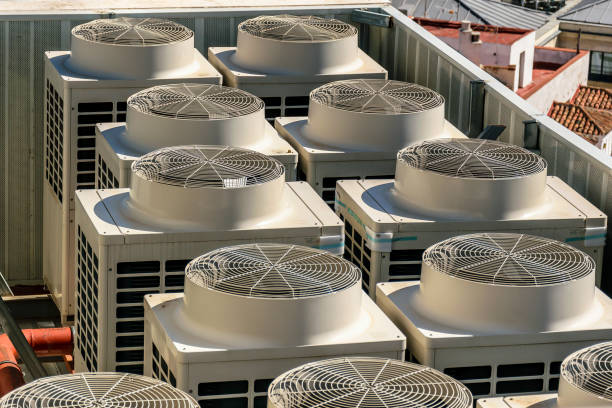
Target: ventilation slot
{"points": [[234, 393], [285, 106], [161, 371], [105, 177], [54, 157], [86, 340], [88, 115], [356, 252]]}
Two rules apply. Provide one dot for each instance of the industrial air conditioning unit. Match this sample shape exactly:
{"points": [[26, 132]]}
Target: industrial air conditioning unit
{"points": [[183, 114], [282, 58], [183, 201], [251, 312], [110, 59], [499, 311], [585, 382], [97, 390], [355, 128], [360, 382], [447, 187]]}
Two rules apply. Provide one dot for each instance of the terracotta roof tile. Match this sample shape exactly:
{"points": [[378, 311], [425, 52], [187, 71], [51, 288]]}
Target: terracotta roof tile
{"points": [[598, 98], [575, 118]]}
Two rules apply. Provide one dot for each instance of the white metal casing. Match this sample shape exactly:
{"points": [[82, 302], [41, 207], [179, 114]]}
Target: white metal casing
{"points": [[179, 353], [284, 71], [113, 243], [75, 102], [182, 114], [498, 359], [390, 222], [587, 386]]}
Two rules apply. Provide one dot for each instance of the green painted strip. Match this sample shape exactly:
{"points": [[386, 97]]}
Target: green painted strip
{"points": [[573, 239], [332, 246]]}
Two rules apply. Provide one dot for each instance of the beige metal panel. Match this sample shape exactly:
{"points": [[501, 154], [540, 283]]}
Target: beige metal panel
{"points": [[520, 401]]}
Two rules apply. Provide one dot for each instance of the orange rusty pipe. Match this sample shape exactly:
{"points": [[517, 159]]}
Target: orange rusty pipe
{"points": [[11, 376], [44, 342]]}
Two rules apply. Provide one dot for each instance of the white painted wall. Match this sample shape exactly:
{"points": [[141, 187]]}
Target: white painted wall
{"points": [[525, 44], [562, 87]]}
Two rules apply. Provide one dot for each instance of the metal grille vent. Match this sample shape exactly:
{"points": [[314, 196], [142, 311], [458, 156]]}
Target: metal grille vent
{"points": [[590, 369], [364, 382], [132, 31], [297, 28], [509, 260], [199, 166], [379, 96], [273, 271], [195, 101], [98, 390], [483, 159]]}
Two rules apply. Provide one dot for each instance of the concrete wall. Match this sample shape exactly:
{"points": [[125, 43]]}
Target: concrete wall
{"points": [[507, 75], [592, 38], [563, 86], [553, 55], [526, 44]]}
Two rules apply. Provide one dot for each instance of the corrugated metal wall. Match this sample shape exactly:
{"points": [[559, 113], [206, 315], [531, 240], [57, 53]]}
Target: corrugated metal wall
{"points": [[22, 43]]}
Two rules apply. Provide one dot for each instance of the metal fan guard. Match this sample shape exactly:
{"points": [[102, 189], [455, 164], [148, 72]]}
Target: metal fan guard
{"points": [[199, 166], [472, 158], [97, 390], [590, 369], [195, 102], [297, 28], [273, 271], [366, 382], [508, 260], [379, 96], [132, 31]]}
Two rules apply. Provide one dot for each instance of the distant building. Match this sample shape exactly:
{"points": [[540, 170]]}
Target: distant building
{"points": [[588, 26], [541, 75], [588, 114]]}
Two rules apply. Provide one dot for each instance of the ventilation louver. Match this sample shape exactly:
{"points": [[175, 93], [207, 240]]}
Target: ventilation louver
{"points": [[273, 271], [470, 179], [207, 166], [360, 382], [218, 186], [288, 290], [195, 102], [100, 48], [132, 31], [347, 113], [483, 281], [298, 45], [194, 114], [586, 377], [509, 260], [97, 390], [297, 28]]}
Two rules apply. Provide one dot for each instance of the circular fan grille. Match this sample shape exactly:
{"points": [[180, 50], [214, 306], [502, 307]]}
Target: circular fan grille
{"points": [[97, 390], [273, 271], [362, 382], [472, 158], [377, 96], [195, 101], [208, 166], [297, 28], [132, 31], [508, 260], [590, 369]]}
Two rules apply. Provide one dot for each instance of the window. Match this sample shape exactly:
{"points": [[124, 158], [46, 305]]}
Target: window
{"points": [[600, 68]]}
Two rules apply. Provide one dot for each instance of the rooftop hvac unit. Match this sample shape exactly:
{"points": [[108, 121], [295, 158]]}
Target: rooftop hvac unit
{"points": [[355, 128], [182, 114], [97, 390], [444, 188], [585, 382], [183, 201], [110, 60], [282, 58], [498, 311], [366, 382], [251, 312]]}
